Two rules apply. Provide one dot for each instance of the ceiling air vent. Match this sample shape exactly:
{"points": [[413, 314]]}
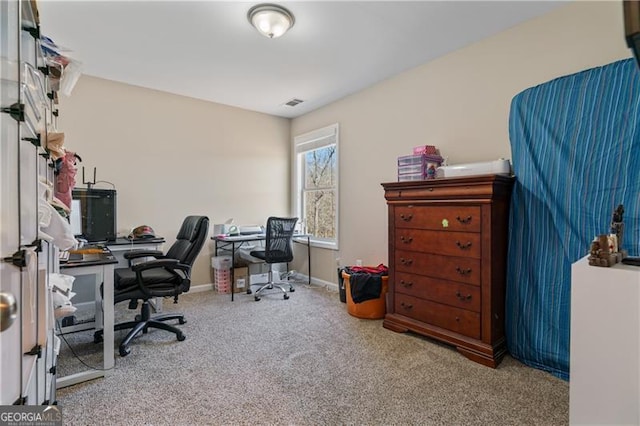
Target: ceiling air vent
{"points": [[293, 102]]}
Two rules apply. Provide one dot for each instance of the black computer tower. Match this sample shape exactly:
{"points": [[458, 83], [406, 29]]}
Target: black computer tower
{"points": [[97, 208]]}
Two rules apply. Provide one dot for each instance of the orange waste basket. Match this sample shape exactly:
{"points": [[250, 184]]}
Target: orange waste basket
{"points": [[369, 309]]}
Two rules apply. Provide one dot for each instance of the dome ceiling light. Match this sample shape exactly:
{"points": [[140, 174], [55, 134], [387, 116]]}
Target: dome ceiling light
{"points": [[270, 20]]}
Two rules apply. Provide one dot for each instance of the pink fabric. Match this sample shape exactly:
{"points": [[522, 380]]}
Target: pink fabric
{"points": [[66, 179]]}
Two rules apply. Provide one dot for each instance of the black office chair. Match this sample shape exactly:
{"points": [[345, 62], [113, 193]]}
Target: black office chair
{"points": [[278, 249], [167, 275]]}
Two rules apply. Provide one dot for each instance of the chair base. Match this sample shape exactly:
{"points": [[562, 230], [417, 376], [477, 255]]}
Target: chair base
{"points": [[269, 286], [142, 323]]}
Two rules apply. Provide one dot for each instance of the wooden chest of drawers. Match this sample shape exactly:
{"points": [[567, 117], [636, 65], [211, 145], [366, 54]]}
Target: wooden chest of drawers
{"points": [[447, 261]]}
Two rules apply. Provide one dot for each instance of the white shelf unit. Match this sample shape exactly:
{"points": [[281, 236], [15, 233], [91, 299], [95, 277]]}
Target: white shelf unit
{"points": [[27, 344], [604, 385]]}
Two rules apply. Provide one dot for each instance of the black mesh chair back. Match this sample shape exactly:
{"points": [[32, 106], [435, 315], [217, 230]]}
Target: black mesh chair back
{"points": [[278, 248], [278, 245]]}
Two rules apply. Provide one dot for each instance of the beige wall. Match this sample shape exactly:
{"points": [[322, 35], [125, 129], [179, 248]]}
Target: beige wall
{"points": [[460, 103], [171, 156]]}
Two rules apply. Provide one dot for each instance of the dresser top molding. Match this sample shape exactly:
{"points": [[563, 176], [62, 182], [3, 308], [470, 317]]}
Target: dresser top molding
{"points": [[467, 187]]}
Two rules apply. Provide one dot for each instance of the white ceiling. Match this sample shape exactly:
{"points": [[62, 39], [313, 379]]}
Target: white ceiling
{"points": [[208, 50]]}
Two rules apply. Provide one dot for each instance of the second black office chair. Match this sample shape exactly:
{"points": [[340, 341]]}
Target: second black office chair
{"points": [[168, 275], [278, 249]]}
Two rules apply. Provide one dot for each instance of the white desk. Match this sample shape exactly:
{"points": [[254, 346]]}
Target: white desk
{"points": [[103, 270], [604, 386], [223, 241], [124, 245]]}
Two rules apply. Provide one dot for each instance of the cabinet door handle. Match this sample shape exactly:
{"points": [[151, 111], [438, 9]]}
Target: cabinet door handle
{"points": [[463, 246], [461, 297], [463, 271], [406, 306], [406, 262], [406, 218], [406, 284], [464, 220], [406, 240], [8, 310]]}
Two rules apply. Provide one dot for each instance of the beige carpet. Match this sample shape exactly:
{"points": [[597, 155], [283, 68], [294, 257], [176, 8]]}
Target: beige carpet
{"points": [[302, 361]]}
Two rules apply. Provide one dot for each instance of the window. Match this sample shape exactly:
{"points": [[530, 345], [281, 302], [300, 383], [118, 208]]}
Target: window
{"points": [[316, 184]]}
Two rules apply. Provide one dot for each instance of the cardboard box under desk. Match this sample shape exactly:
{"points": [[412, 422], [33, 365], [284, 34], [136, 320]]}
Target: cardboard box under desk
{"points": [[242, 275]]}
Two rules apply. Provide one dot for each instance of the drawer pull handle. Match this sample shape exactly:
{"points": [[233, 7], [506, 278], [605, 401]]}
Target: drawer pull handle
{"points": [[457, 319], [461, 297], [464, 220], [406, 218], [463, 246], [406, 284], [463, 271], [406, 306], [406, 240], [406, 262]]}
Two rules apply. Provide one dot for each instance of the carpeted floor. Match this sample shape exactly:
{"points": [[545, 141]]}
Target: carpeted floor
{"points": [[302, 361]]}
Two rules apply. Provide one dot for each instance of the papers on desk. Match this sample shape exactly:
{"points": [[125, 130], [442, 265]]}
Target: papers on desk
{"points": [[242, 237]]}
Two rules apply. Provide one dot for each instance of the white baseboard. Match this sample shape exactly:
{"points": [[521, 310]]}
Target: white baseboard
{"points": [[201, 287], [300, 279]]}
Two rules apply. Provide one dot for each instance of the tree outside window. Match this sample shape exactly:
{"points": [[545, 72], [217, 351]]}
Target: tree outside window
{"points": [[319, 194], [316, 184]]}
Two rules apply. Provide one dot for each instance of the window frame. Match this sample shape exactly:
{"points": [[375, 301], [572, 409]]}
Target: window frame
{"points": [[302, 144]]}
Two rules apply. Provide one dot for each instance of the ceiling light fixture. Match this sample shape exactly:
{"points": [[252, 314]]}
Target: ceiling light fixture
{"points": [[270, 20]]}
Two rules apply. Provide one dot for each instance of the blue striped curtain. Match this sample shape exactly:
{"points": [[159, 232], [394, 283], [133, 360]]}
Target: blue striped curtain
{"points": [[575, 145]]}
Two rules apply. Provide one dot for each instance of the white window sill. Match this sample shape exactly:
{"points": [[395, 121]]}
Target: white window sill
{"points": [[329, 245]]}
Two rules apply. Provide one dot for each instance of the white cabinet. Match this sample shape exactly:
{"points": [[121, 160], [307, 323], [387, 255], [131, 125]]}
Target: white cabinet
{"points": [[27, 356], [605, 344]]}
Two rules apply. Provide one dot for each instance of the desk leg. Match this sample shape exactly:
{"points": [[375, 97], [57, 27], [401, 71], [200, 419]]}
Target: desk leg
{"points": [[104, 319], [108, 320], [233, 263], [309, 256]]}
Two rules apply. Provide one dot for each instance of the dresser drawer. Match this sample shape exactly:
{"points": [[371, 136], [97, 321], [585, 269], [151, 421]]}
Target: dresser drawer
{"points": [[450, 318], [439, 242], [460, 269], [443, 218], [451, 293]]}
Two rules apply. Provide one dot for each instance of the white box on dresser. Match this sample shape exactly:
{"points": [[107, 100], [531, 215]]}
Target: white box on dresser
{"points": [[604, 385]]}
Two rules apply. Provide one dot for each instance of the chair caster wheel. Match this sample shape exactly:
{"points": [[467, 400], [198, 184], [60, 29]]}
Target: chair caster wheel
{"points": [[124, 351], [97, 337], [291, 289], [181, 337], [249, 291], [286, 296], [257, 298], [182, 320]]}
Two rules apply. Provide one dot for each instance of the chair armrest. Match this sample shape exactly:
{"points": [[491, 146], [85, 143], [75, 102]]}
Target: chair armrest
{"points": [[152, 264], [135, 254], [180, 270]]}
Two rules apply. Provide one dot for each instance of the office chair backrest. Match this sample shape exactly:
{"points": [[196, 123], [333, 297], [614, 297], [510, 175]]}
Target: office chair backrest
{"points": [[190, 239], [278, 247]]}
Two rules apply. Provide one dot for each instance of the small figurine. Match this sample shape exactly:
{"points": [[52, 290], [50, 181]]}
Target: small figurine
{"points": [[617, 226], [606, 250], [431, 172]]}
